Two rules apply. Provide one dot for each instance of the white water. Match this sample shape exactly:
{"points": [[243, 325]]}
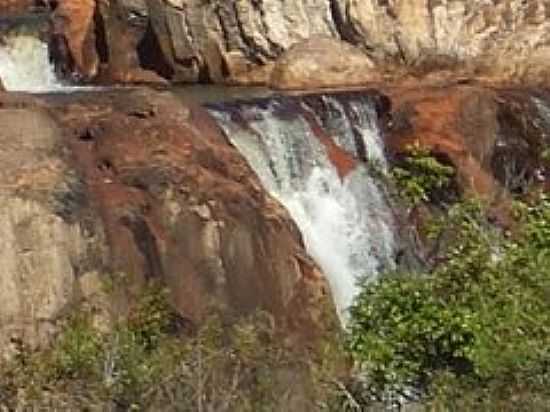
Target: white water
{"points": [[25, 65], [347, 225]]}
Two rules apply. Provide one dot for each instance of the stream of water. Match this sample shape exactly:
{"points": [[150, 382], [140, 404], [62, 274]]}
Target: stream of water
{"points": [[346, 221]]}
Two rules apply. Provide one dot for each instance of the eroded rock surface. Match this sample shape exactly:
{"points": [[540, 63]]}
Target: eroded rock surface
{"points": [[495, 138], [144, 41], [127, 187]]}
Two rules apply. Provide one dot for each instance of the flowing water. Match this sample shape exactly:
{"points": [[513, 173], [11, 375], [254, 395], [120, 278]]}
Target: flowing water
{"points": [[25, 65], [346, 221]]}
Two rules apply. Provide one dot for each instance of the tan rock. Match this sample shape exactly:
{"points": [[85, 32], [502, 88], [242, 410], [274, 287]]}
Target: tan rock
{"points": [[322, 62], [491, 38], [43, 246]]}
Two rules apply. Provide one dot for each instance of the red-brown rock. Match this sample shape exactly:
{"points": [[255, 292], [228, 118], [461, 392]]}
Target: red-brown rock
{"points": [[138, 183]]}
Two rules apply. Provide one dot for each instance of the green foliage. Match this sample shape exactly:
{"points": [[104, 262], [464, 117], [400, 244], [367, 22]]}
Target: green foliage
{"points": [[77, 352], [143, 364], [480, 318], [420, 175]]}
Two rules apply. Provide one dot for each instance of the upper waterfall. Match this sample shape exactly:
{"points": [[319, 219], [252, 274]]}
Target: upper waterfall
{"points": [[292, 143], [25, 65], [24, 56]]}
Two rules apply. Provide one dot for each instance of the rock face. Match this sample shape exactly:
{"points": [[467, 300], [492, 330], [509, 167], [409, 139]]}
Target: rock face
{"points": [[239, 41], [322, 62], [51, 240], [103, 41], [132, 187], [495, 138], [209, 40]]}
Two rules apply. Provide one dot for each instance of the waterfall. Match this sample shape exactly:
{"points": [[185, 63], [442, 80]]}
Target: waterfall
{"points": [[307, 153], [25, 64]]}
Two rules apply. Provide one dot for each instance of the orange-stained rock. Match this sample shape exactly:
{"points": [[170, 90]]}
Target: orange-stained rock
{"points": [[494, 137], [180, 204], [74, 24]]}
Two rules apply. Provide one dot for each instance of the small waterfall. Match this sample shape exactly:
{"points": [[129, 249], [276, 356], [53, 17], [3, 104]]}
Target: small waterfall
{"points": [[25, 64], [307, 151]]}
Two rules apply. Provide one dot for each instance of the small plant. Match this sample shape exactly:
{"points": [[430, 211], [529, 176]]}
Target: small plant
{"points": [[420, 175], [77, 353]]}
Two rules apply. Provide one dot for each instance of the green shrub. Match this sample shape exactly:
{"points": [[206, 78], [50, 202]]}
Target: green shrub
{"points": [[419, 176], [481, 316]]}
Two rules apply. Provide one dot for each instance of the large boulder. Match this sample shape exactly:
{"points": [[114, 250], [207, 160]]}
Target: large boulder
{"points": [[322, 62]]}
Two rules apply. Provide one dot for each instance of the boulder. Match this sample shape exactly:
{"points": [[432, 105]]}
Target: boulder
{"points": [[322, 62]]}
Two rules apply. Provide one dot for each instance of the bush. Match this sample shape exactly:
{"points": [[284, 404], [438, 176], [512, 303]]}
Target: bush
{"points": [[421, 177], [480, 318]]}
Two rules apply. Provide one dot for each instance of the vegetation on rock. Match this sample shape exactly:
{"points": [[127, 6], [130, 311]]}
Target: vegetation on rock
{"points": [[471, 332], [154, 361]]}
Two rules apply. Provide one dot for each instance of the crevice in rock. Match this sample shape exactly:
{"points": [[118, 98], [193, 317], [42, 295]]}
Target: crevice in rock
{"points": [[150, 54], [344, 29], [101, 43], [146, 243]]}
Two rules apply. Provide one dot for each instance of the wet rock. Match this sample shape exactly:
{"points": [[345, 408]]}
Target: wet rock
{"points": [[322, 62]]}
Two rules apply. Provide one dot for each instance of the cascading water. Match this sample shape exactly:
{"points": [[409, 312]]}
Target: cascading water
{"points": [[344, 216], [25, 65]]}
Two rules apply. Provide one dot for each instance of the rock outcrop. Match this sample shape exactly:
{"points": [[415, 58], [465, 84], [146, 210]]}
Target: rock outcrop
{"points": [[495, 138], [102, 41], [322, 62], [239, 41], [52, 243], [127, 187], [208, 40]]}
